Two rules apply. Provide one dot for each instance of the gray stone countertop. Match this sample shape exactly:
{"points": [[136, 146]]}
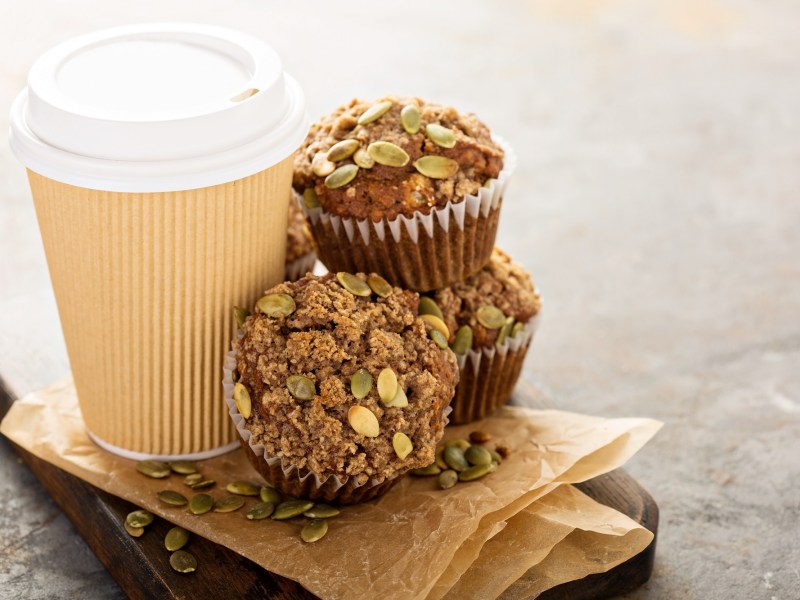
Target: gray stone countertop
{"points": [[656, 203]]}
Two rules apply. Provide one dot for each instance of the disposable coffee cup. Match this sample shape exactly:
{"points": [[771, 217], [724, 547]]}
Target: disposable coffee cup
{"points": [[160, 159]]}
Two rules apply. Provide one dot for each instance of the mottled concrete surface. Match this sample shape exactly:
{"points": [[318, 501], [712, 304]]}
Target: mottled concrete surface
{"points": [[657, 203]]}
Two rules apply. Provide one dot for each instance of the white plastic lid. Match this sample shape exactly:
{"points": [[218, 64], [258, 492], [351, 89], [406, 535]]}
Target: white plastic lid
{"points": [[157, 107]]}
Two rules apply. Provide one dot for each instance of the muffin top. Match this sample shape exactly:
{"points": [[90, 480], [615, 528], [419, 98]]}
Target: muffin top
{"points": [[395, 156], [495, 303], [298, 236], [302, 347]]}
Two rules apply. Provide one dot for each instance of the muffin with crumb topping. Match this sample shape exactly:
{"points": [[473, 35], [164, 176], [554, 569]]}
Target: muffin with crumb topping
{"points": [[300, 255], [403, 187], [339, 389], [489, 320]]}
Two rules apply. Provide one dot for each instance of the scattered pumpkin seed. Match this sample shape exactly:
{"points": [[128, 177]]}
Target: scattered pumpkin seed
{"points": [[310, 198], [134, 531], [228, 504], [363, 159], [517, 328], [428, 471], [387, 385], [321, 166], [505, 330], [438, 338], [400, 399], [361, 383], [441, 136], [410, 117], [477, 455], [203, 484], [428, 306], [183, 467], [353, 284], [436, 167], [176, 538], [379, 285], [260, 511], [276, 305], [291, 509], [363, 421], [463, 341], [479, 437], [437, 324], [490, 317], [139, 518], [243, 488], [448, 479], [190, 480], [301, 387], [386, 153], [457, 442], [314, 530], [242, 399], [200, 504], [240, 314], [321, 511], [402, 445], [270, 494], [153, 468], [374, 112], [172, 498], [341, 176], [341, 150], [454, 457], [476, 472], [495, 456], [440, 458], [183, 562]]}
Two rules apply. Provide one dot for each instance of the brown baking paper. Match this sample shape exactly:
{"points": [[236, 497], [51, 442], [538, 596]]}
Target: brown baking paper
{"points": [[400, 546]]}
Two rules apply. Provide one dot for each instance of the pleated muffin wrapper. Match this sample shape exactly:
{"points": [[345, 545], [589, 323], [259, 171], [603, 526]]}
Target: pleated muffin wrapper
{"points": [[423, 252], [300, 266], [293, 480], [488, 375]]}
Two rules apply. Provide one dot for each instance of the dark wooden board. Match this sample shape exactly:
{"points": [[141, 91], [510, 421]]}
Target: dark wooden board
{"points": [[141, 568]]}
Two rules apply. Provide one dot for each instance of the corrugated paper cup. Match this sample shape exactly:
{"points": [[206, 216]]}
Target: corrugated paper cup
{"points": [[159, 158]]}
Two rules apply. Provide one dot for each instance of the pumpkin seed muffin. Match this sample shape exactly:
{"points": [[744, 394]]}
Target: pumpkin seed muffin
{"points": [[436, 169], [490, 320], [300, 255], [344, 383]]}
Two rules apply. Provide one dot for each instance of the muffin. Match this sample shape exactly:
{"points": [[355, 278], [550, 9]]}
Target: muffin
{"points": [[339, 390], [490, 319], [403, 187], [300, 255]]}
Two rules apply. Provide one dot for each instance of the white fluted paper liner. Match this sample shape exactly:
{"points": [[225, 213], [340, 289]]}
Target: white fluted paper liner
{"points": [[300, 266]]}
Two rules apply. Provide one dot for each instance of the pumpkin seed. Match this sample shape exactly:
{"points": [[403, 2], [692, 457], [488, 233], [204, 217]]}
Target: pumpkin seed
{"points": [[488, 183], [448, 479], [321, 166], [310, 198], [476, 472], [183, 562], [300, 387], [291, 509], [402, 445], [436, 167], [428, 306], [428, 471], [363, 421], [203, 484], [260, 511], [454, 457], [183, 467], [228, 504], [361, 383], [400, 399], [495, 456], [270, 494], [490, 317], [240, 314], [410, 117], [153, 468], [242, 399], [386, 153], [437, 324], [463, 341], [363, 159], [457, 442], [374, 112], [276, 305], [479, 437], [353, 284], [139, 518], [517, 328], [134, 531], [505, 330], [440, 458], [379, 285], [190, 480], [243, 488], [341, 176], [438, 338], [321, 511], [387, 385], [441, 136], [176, 538], [172, 498], [341, 150], [314, 530], [477, 455], [200, 504]]}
